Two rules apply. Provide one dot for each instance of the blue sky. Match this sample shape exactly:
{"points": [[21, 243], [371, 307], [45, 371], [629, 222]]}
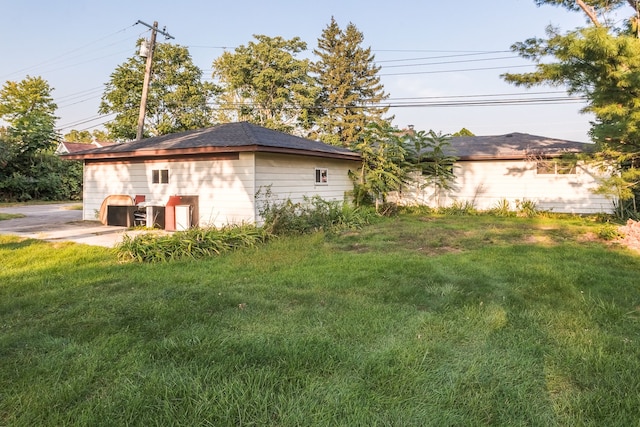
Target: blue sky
{"points": [[431, 52]]}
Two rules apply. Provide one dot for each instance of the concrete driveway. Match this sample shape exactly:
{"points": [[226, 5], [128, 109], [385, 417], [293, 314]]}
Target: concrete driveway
{"points": [[59, 222]]}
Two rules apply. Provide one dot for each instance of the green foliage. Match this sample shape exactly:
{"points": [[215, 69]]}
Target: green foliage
{"points": [[265, 83], [47, 178], [28, 108], [28, 167], [280, 218], [609, 232], [458, 208], [430, 154], [78, 136], [622, 188], [194, 243], [463, 132], [101, 135], [600, 63], [527, 208], [502, 208], [351, 91], [177, 100], [311, 215], [383, 164]]}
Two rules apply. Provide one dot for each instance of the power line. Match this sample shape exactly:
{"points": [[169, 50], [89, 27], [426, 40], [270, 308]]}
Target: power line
{"points": [[452, 62], [456, 71], [489, 52], [58, 57]]}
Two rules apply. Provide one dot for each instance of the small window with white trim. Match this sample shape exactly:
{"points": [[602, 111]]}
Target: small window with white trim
{"points": [[160, 176], [322, 176], [558, 167]]}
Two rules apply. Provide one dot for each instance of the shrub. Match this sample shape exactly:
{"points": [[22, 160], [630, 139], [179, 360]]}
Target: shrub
{"points": [[502, 209], [609, 232], [526, 208], [193, 243], [458, 208], [310, 215]]}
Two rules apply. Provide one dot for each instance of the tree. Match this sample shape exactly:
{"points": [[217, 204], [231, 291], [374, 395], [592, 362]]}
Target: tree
{"points": [[28, 109], [28, 167], [462, 132], [178, 99], [264, 83], [350, 86], [383, 167], [101, 135], [429, 154], [600, 62], [78, 136]]}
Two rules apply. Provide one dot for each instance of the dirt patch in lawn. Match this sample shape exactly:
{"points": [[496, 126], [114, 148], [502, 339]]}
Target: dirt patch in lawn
{"points": [[631, 233]]}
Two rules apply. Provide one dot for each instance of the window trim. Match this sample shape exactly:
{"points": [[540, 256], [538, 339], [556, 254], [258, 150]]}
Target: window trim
{"points": [[321, 173], [160, 176], [555, 167]]}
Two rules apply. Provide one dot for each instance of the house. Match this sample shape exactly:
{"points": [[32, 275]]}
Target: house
{"points": [[216, 172], [65, 147], [517, 167]]}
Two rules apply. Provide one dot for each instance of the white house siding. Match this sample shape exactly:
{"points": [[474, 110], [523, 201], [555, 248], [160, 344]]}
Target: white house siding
{"points": [[293, 177], [225, 187], [486, 183]]}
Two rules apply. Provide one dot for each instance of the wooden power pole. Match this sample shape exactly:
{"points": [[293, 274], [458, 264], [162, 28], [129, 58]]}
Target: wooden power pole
{"points": [[147, 74]]}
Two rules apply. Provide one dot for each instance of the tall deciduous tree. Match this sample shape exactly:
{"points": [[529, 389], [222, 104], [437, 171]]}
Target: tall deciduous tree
{"points": [[78, 136], [178, 99], [28, 108], [265, 83], [351, 91], [28, 167]]}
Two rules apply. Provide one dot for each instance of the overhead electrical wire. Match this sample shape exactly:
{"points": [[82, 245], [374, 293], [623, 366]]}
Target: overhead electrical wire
{"points": [[486, 100], [62, 55]]}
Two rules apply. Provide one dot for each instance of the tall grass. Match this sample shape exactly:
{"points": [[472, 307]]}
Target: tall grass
{"points": [[194, 243], [415, 320]]}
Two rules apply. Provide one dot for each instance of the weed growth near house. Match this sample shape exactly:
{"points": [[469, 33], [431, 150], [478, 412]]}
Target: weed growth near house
{"points": [[281, 218], [414, 320]]}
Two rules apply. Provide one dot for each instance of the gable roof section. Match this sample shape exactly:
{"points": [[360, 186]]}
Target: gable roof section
{"points": [[514, 146], [224, 138], [65, 147]]}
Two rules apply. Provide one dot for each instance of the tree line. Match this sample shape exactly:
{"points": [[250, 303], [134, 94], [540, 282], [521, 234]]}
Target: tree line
{"points": [[338, 97]]}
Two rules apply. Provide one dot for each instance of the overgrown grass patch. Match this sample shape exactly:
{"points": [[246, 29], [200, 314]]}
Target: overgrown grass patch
{"points": [[5, 216], [310, 330]]}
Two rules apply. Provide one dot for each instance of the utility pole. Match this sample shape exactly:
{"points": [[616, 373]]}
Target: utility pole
{"points": [[147, 74]]}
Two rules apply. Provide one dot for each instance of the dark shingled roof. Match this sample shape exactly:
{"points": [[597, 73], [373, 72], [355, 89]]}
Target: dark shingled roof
{"points": [[224, 138], [513, 146]]}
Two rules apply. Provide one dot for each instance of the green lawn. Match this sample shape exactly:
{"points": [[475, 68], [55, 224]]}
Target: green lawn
{"points": [[414, 321]]}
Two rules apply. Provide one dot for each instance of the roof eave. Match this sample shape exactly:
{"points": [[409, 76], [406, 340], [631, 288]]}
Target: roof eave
{"points": [[205, 150]]}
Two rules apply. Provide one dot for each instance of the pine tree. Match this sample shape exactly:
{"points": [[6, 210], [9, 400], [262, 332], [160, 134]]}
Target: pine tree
{"points": [[350, 86]]}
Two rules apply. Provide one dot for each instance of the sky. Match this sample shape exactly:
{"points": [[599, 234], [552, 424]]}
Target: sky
{"points": [[440, 61]]}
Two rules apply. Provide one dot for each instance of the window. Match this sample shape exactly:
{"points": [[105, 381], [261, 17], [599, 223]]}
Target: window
{"points": [[322, 176], [160, 176], [558, 167]]}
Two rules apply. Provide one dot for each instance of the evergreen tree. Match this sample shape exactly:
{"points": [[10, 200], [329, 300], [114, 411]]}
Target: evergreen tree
{"points": [[600, 62], [350, 86]]}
